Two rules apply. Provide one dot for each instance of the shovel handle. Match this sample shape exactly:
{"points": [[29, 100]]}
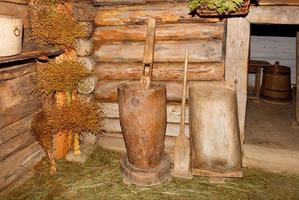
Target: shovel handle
{"points": [[149, 49], [182, 122]]}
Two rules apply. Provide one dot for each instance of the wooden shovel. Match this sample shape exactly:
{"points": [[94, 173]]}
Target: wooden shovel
{"points": [[148, 55], [182, 144]]}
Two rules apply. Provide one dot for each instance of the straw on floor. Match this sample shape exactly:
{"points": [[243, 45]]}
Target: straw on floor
{"points": [[99, 178]]}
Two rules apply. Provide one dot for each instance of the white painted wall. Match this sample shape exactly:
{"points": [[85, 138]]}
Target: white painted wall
{"points": [[271, 49]]}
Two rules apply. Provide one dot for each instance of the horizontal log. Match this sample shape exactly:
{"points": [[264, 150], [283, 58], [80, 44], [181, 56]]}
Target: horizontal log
{"points": [[12, 168], [19, 112], [106, 91], [274, 15], [255, 156], [113, 125], [16, 71], [16, 143], [192, 31], [16, 91], [17, 128], [130, 15], [16, 10], [131, 2], [278, 2], [165, 51], [162, 71], [22, 2], [110, 110], [115, 141]]}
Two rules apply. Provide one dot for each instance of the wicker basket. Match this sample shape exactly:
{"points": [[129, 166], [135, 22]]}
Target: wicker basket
{"points": [[205, 12]]}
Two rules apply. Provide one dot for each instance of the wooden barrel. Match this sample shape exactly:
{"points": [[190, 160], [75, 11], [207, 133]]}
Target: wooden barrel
{"points": [[143, 122], [276, 85], [214, 130]]}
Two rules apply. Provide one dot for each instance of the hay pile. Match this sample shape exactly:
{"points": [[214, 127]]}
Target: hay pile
{"points": [[99, 178]]}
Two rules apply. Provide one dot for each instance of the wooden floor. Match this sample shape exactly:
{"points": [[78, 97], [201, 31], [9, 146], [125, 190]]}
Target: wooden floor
{"points": [[270, 125]]}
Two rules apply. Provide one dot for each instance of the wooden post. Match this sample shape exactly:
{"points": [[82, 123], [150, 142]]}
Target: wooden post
{"points": [[236, 64], [257, 85], [297, 78]]}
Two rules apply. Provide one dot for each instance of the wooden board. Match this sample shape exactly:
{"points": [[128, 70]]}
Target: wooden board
{"points": [[255, 156], [236, 64], [166, 51], [12, 9], [16, 143], [278, 3], [113, 125], [30, 52], [22, 2], [110, 110], [19, 112], [16, 71], [16, 129], [131, 2], [191, 31], [115, 141], [130, 15], [106, 91], [274, 15], [11, 168], [16, 91], [162, 71]]}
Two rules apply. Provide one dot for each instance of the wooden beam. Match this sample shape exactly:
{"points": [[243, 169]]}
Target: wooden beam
{"points": [[278, 3], [236, 63], [297, 78], [162, 71], [22, 2], [130, 2], [165, 51], [136, 15], [190, 31], [273, 15], [106, 90], [16, 10], [110, 110]]}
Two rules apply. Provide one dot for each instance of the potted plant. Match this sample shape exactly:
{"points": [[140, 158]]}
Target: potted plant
{"points": [[219, 8]]}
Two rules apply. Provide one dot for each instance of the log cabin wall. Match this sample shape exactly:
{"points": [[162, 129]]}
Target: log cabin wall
{"points": [[19, 151], [119, 42]]}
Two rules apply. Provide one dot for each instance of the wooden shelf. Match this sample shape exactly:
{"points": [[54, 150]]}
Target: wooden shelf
{"points": [[31, 52]]}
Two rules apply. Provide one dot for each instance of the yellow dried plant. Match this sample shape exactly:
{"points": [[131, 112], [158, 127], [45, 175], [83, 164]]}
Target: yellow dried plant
{"points": [[76, 117], [59, 77]]}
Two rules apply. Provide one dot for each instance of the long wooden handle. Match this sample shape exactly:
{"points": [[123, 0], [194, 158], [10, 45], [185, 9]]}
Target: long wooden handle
{"points": [[149, 48], [182, 122]]}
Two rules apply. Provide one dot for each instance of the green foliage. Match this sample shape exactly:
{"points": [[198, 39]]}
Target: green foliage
{"points": [[221, 6], [59, 77]]}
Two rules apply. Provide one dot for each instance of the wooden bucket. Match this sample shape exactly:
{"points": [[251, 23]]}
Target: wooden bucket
{"points": [[276, 85], [143, 123], [214, 130], [11, 32]]}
